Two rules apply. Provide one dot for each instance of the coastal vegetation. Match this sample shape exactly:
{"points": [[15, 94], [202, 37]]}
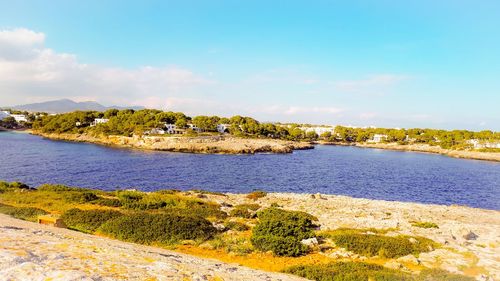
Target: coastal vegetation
{"points": [[136, 122], [371, 244], [282, 231], [263, 236], [357, 271]]}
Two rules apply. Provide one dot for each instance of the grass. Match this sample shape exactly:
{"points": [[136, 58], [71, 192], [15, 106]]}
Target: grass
{"points": [[379, 245]]}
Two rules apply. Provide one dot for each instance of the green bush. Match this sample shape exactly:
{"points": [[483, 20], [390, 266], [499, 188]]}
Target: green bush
{"points": [[238, 226], [245, 211], [161, 228], [109, 202], [385, 246], [24, 213], [202, 210], [58, 188], [80, 197], [281, 231], [441, 275], [8, 186], [348, 271], [88, 220]]}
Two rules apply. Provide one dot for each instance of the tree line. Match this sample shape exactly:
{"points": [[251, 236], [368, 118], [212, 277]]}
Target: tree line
{"points": [[130, 122]]}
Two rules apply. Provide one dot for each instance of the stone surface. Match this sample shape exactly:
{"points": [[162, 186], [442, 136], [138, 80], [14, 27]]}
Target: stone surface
{"points": [[29, 251]]}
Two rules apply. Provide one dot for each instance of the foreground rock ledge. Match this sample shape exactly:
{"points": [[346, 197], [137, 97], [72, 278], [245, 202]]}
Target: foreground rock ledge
{"points": [[201, 144], [30, 251]]}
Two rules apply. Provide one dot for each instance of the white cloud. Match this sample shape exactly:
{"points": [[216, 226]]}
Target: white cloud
{"points": [[30, 71], [315, 109], [19, 44]]}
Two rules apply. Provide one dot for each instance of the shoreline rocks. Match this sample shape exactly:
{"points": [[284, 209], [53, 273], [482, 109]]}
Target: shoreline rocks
{"points": [[425, 148], [199, 144]]}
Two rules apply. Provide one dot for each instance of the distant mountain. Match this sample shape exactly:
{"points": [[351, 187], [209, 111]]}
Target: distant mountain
{"points": [[67, 105]]}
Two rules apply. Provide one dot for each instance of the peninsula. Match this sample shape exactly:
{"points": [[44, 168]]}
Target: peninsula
{"points": [[175, 131]]}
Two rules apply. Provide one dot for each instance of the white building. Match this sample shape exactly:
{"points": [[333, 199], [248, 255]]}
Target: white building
{"points": [[99, 121], [378, 138], [483, 144], [155, 131], [194, 128], [17, 117], [172, 129], [4, 114], [223, 128], [319, 130], [20, 117]]}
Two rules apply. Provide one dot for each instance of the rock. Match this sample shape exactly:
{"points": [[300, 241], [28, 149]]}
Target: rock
{"points": [[311, 242], [412, 240], [470, 236], [483, 277], [409, 259], [393, 264], [219, 226]]}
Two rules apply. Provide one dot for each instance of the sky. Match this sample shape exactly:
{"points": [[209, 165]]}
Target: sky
{"points": [[432, 64]]}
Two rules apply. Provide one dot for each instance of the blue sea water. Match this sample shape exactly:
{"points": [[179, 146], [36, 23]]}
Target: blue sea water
{"points": [[357, 172]]}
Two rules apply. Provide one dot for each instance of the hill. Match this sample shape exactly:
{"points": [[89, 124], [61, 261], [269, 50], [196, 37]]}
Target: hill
{"points": [[67, 105]]}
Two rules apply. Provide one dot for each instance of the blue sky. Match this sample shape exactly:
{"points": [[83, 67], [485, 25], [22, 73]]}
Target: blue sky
{"points": [[383, 63]]}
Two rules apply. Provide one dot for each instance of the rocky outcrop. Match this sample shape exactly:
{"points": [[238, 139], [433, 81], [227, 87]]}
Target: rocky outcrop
{"points": [[466, 154], [468, 237], [199, 144], [30, 251]]}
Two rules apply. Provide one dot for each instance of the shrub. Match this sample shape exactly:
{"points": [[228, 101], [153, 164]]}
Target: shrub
{"points": [[162, 228], [245, 211], [81, 197], [238, 226], [109, 202], [88, 220], [6, 186], [129, 195], [425, 224], [347, 271], [385, 246], [24, 213], [441, 275], [57, 188], [256, 194], [281, 231], [203, 210]]}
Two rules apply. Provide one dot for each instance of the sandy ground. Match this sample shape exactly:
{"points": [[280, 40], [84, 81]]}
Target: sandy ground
{"points": [[30, 251]]}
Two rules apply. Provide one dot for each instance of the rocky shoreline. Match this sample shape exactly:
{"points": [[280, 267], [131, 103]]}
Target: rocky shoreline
{"points": [[469, 243], [425, 148], [200, 144]]}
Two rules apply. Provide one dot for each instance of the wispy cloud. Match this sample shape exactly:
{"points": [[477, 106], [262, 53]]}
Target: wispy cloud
{"points": [[374, 84], [28, 69]]}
